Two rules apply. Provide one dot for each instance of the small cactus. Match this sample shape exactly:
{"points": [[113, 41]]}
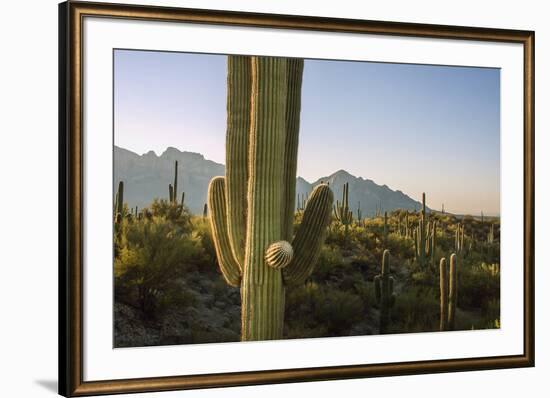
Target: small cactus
{"points": [[385, 226], [453, 290], [385, 296], [119, 202], [459, 239], [342, 211], [491, 235], [443, 295], [175, 194], [448, 289], [424, 238]]}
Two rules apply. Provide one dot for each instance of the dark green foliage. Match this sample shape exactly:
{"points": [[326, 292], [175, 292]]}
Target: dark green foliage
{"points": [[315, 310], [168, 274], [155, 253], [385, 296]]}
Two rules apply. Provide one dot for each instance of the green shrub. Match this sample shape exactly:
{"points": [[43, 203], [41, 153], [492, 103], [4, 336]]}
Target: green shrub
{"points": [[155, 255], [416, 309], [478, 285], [321, 309]]}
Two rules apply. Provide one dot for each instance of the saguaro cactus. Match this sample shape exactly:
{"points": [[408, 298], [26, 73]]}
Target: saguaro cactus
{"points": [[459, 239], [252, 207], [342, 212], [443, 295], [424, 237], [119, 202], [491, 235], [175, 195], [448, 289], [385, 225], [383, 285], [453, 290]]}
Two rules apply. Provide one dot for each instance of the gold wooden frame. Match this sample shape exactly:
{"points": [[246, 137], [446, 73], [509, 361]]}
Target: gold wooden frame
{"points": [[71, 15]]}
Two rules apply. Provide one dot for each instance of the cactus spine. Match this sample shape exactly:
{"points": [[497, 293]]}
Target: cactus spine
{"points": [[342, 211], [385, 297], [252, 207]]}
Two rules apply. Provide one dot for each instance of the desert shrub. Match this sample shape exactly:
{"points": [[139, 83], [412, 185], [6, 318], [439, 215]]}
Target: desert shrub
{"points": [[202, 231], [400, 246], [154, 256], [416, 309], [329, 261], [177, 214], [478, 285], [365, 290], [338, 310], [320, 309]]}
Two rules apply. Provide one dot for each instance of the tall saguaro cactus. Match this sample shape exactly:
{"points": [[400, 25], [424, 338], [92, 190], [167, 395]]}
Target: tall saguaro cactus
{"points": [[252, 207], [383, 285]]}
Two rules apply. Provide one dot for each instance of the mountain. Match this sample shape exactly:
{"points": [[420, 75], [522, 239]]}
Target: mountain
{"points": [[147, 177], [372, 196]]}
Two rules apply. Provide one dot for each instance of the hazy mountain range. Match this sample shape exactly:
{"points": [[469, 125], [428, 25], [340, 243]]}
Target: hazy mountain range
{"points": [[147, 177]]}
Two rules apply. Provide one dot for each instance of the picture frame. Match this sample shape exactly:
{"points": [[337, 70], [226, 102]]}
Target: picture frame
{"points": [[72, 204]]}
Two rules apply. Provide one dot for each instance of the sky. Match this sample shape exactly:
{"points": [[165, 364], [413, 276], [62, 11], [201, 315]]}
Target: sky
{"points": [[417, 128]]}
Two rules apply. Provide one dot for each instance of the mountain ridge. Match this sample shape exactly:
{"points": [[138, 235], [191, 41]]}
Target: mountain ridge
{"points": [[147, 177]]}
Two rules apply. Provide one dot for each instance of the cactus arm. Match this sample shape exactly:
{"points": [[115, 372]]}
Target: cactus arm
{"points": [[310, 235], [294, 99], [229, 266], [239, 82]]}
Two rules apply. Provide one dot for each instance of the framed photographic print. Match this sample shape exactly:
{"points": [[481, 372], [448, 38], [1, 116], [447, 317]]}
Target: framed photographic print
{"points": [[250, 198]]}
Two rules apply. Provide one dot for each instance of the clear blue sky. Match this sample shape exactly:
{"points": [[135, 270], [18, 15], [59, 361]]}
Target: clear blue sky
{"points": [[413, 127]]}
